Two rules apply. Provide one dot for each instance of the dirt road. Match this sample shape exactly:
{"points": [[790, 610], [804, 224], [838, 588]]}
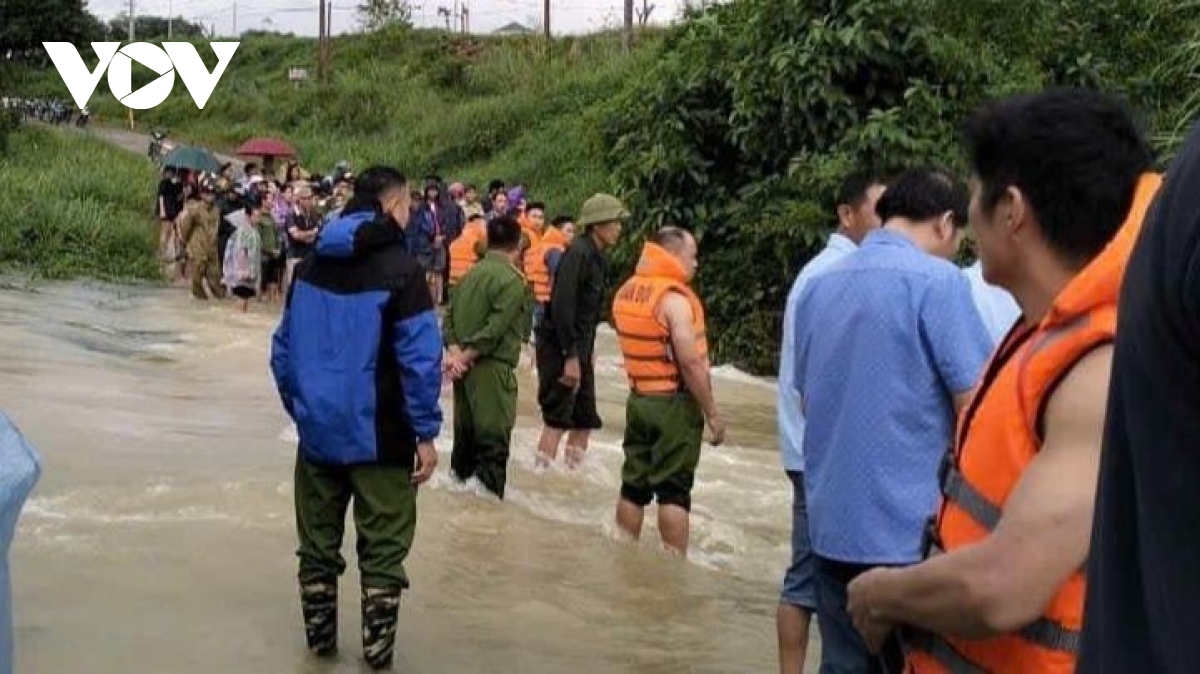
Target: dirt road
{"points": [[138, 142]]}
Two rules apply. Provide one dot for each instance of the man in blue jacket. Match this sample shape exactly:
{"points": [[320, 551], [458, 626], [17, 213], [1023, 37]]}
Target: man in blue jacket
{"points": [[357, 359]]}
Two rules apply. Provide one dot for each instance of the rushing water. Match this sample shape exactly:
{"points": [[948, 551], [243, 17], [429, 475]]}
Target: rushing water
{"points": [[161, 535]]}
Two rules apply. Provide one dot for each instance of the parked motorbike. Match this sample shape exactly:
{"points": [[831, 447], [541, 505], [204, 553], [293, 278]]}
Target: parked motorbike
{"points": [[159, 146]]}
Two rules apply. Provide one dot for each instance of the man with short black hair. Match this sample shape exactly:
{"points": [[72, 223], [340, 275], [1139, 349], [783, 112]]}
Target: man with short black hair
{"points": [[485, 326], [1059, 191], [357, 359], [888, 346], [856, 217], [495, 188]]}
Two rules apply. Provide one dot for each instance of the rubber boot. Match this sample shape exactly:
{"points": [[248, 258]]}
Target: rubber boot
{"points": [[379, 610], [318, 601]]}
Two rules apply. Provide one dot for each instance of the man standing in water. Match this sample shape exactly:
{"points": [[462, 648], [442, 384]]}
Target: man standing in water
{"points": [[660, 325], [566, 339], [1058, 196], [357, 359], [199, 233], [856, 218], [485, 327]]}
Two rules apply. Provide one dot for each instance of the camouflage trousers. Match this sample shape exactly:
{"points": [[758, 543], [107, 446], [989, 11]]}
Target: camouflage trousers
{"points": [[206, 269]]}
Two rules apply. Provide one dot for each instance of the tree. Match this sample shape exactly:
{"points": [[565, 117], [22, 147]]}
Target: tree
{"points": [[377, 14], [27, 23]]}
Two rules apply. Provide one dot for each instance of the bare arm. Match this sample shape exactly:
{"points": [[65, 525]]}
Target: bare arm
{"points": [[1005, 581], [676, 312]]}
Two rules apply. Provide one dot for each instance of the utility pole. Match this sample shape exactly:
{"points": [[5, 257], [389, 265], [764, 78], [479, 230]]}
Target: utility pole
{"points": [[627, 34], [546, 18], [132, 19], [321, 45], [466, 20], [328, 36], [235, 33], [444, 12], [170, 17]]}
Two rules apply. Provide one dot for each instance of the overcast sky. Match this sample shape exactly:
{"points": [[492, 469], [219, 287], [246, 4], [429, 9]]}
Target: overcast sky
{"points": [[300, 16]]}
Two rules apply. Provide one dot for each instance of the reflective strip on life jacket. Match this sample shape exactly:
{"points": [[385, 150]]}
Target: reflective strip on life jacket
{"points": [[956, 489]]}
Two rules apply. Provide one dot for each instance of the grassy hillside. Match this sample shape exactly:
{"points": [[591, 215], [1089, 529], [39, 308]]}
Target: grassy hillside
{"points": [[74, 206], [514, 108]]}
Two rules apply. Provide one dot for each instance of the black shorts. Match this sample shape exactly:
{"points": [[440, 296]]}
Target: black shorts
{"points": [[272, 271], [562, 408], [244, 292]]}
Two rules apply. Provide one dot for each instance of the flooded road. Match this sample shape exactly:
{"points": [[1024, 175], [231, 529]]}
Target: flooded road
{"points": [[160, 537]]}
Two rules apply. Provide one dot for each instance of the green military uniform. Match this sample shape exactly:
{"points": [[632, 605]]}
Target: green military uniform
{"points": [[200, 236], [491, 312], [663, 435]]}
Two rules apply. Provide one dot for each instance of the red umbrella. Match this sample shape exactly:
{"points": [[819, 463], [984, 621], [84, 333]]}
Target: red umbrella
{"points": [[266, 147]]}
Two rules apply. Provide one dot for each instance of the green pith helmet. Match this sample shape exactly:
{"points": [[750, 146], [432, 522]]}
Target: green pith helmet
{"points": [[602, 208]]}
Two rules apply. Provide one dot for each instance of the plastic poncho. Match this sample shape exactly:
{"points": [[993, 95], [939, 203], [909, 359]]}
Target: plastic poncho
{"points": [[19, 472], [242, 266]]}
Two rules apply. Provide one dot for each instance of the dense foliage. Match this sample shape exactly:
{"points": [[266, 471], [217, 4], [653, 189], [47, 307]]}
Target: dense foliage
{"points": [[756, 109]]}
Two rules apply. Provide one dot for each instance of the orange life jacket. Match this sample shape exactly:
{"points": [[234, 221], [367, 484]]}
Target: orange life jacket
{"points": [[464, 253], [645, 340], [534, 238], [999, 434], [536, 269]]}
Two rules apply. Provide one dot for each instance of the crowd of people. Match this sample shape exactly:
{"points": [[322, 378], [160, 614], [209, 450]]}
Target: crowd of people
{"points": [[48, 110], [941, 427]]}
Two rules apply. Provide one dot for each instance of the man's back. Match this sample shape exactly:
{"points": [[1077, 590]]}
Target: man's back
{"points": [[578, 294], [357, 354], [885, 339], [1142, 577], [485, 293], [790, 420]]}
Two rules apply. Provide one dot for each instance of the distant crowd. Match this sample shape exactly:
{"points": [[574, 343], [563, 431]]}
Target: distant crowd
{"points": [[48, 110], [273, 223]]}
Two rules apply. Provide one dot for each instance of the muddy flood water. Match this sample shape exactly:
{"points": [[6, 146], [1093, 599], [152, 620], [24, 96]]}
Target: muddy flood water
{"points": [[160, 538]]}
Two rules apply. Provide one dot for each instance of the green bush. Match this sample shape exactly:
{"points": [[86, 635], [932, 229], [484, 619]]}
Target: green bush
{"points": [[74, 206]]}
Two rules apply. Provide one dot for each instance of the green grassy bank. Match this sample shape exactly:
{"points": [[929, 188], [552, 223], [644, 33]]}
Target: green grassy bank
{"points": [[74, 206], [470, 109]]}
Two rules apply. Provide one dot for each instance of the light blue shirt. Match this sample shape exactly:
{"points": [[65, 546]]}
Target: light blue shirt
{"points": [[884, 340], [997, 308], [787, 400]]}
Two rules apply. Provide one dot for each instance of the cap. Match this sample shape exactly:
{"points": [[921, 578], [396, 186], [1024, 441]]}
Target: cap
{"points": [[602, 208]]}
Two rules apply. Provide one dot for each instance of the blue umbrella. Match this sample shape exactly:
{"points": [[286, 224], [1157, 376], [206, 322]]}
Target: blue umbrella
{"points": [[193, 158]]}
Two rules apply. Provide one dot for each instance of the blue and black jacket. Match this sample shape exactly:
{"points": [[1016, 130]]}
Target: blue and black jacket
{"points": [[357, 357]]}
